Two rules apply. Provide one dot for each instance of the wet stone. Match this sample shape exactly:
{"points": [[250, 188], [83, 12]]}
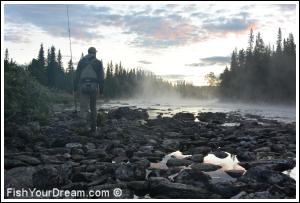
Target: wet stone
{"points": [[197, 158], [163, 187], [201, 150], [205, 167], [220, 154], [235, 173], [73, 145], [178, 162], [47, 177], [263, 149]]}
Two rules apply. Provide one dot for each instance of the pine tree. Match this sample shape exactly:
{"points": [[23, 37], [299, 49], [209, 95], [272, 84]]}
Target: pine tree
{"points": [[70, 68], [6, 60], [250, 42], [6, 55], [59, 62], [279, 41], [241, 59], [234, 61], [51, 68], [41, 57]]}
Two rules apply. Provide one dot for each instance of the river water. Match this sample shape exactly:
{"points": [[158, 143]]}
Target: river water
{"points": [[280, 113]]}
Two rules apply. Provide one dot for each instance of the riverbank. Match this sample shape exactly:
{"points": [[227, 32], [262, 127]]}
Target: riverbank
{"points": [[136, 154]]}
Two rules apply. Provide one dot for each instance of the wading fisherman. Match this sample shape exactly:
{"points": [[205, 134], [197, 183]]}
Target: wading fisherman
{"points": [[89, 81]]}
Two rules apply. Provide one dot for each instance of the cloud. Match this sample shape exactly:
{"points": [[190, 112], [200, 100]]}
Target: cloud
{"points": [[195, 64], [173, 76], [53, 18], [209, 61], [287, 7], [161, 32], [216, 60], [18, 33], [145, 62], [180, 25], [151, 31], [159, 11], [229, 24], [16, 38]]}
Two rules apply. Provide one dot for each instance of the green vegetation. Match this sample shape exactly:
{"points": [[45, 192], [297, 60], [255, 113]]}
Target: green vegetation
{"points": [[25, 98]]}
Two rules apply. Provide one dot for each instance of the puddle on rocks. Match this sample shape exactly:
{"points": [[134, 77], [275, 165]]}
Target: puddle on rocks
{"points": [[163, 163], [147, 196], [228, 163], [291, 173], [230, 124]]}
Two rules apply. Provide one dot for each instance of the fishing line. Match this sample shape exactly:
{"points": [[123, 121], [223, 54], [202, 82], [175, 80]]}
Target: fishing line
{"points": [[69, 32]]}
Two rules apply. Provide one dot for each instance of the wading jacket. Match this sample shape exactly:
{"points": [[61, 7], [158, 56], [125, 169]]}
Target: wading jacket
{"points": [[98, 68]]}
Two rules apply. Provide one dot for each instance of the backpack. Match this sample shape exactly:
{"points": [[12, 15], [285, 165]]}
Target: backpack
{"points": [[88, 79]]}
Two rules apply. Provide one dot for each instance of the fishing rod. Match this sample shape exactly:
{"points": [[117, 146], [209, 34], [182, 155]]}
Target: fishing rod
{"points": [[75, 100]]}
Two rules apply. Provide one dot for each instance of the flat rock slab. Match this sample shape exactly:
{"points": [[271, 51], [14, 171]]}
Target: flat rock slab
{"points": [[28, 159], [73, 145], [220, 154], [19, 177], [162, 186], [235, 173], [197, 158], [178, 162], [205, 167], [276, 164]]}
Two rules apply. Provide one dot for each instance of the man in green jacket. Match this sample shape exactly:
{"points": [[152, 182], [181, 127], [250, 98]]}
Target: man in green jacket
{"points": [[89, 80]]}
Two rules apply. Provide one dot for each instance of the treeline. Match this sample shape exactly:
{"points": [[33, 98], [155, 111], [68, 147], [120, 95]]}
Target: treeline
{"points": [[261, 72], [119, 82]]}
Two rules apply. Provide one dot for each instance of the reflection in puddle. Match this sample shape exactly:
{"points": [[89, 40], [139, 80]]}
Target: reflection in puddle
{"points": [[291, 173], [163, 163], [147, 196], [230, 124], [228, 163]]}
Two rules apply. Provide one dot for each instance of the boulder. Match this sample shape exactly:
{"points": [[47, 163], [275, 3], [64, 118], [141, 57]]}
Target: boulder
{"points": [[225, 189], [220, 154], [163, 187], [275, 164], [193, 177], [47, 177], [178, 162], [197, 158], [19, 177], [235, 173]]}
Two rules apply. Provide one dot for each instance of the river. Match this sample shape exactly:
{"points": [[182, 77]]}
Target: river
{"points": [[282, 113]]}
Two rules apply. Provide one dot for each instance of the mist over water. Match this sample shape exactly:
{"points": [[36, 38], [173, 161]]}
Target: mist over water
{"points": [[169, 105], [157, 98]]}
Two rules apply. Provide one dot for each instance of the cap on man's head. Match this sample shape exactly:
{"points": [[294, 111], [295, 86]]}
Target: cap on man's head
{"points": [[92, 50]]}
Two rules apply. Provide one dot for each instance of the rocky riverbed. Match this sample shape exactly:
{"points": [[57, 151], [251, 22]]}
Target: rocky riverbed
{"points": [[136, 154]]}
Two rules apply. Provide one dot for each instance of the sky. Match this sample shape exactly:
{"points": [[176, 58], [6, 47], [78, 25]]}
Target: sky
{"points": [[174, 40]]}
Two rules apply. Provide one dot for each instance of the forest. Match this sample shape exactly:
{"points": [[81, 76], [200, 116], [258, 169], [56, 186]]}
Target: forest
{"points": [[261, 72]]}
